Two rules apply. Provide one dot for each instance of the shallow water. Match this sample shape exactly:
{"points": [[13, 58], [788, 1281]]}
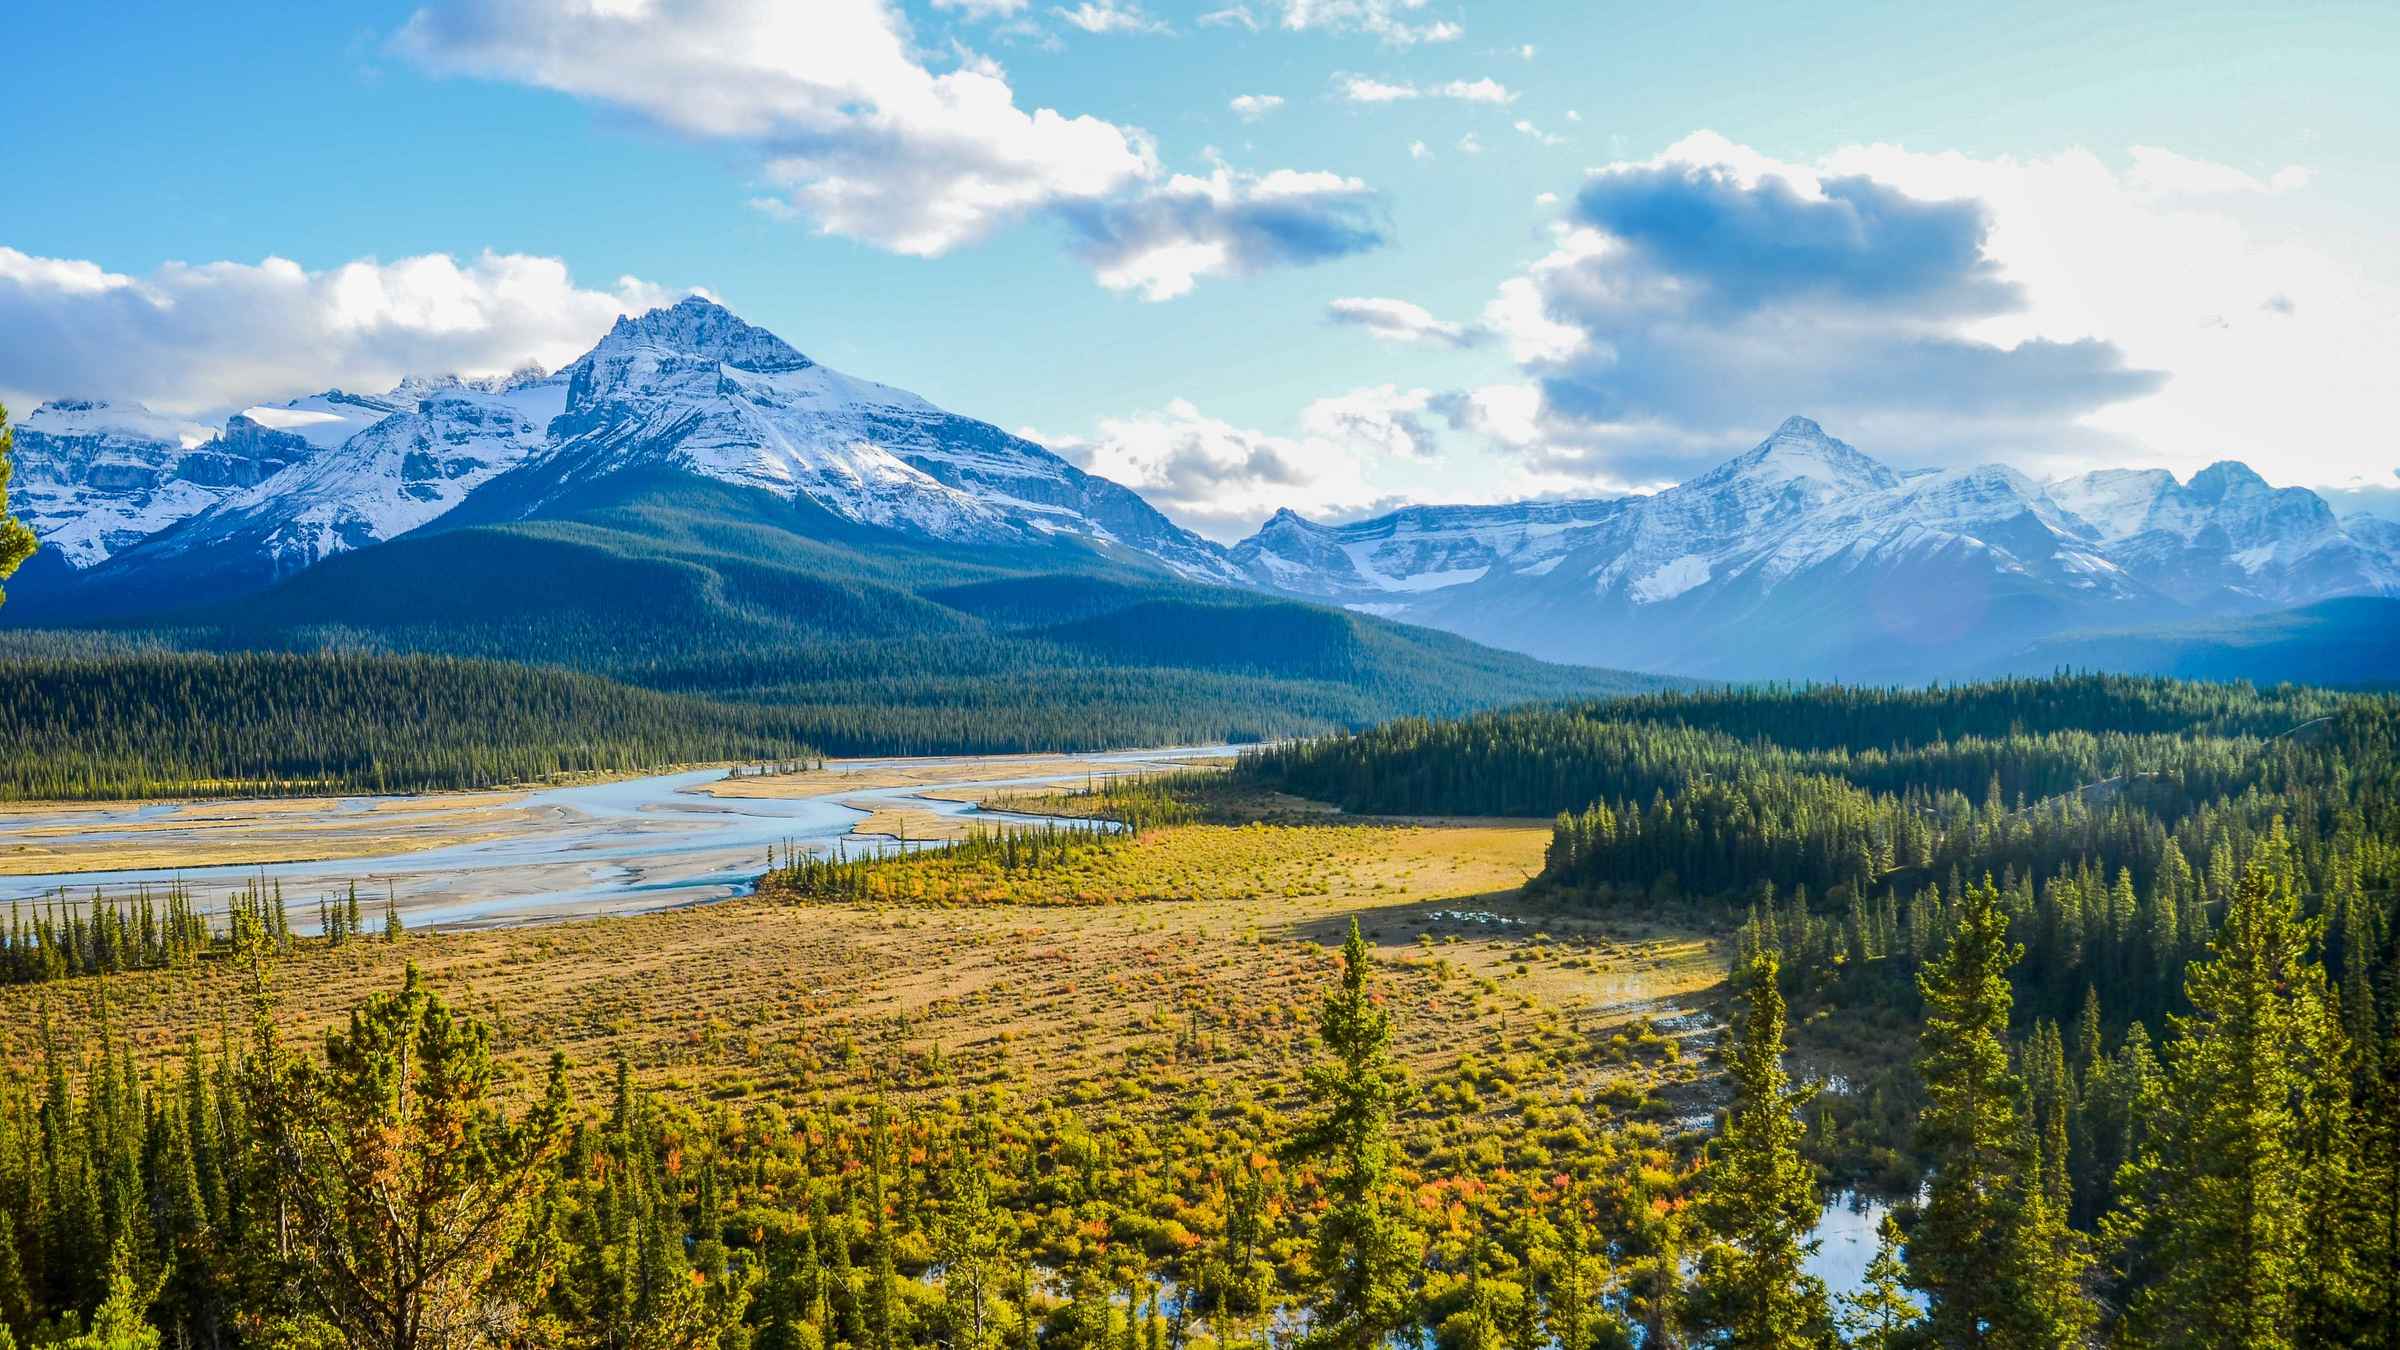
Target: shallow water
{"points": [[1846, 1234], [621, 847]]}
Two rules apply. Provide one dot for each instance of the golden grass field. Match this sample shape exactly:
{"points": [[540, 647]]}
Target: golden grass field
{"points": [[1195, 975]]}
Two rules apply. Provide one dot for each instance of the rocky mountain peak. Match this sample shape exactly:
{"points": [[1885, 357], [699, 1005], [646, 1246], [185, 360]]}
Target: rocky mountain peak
{"points": [[698, 326], [1800, 453]]}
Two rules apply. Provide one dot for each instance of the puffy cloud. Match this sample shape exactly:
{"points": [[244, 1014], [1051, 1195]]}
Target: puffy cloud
{"points": [[1400, 321], [1695, 300], [1251, 107], [1368, 89], [862, 137], [1706, 239], [1213, 476], [1222, 479], [2293, 377], [1161, 242], [195, 337], [1387, 20], [1382, 419], [1527, 128], [868, 141]]}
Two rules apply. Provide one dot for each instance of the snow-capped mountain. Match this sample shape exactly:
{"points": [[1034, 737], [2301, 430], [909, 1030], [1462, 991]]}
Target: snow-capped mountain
{"points": [[1807, 557], [1801, 557], [689, 387], [434, 442], [92, 478], [2226, 540], [693, 387], [1419, 548]]}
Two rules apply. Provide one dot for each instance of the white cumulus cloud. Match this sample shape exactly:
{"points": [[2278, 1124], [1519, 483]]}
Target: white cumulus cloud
{"points": [[2056, 312], [189, 338], [861, 135]]}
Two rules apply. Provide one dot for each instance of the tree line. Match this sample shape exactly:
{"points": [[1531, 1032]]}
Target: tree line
{"points": [[161, 723], [59, 937]]}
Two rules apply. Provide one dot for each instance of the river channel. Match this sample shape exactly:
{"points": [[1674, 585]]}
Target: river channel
{"points": [[558, 853]]}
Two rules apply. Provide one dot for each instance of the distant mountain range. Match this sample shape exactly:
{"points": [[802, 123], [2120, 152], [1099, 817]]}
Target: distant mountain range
{"points": [[1805, 557], [686, 428]]}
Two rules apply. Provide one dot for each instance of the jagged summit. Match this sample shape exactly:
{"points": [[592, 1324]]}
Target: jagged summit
{"points": [[2223, 479], [1799, 451], [699, 326]]}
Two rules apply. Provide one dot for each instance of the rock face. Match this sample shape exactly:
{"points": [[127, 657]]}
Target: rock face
{"points": [[93, 478], [1805, 557], [405, 469]]}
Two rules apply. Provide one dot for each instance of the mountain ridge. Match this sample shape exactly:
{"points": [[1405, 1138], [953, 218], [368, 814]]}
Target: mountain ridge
{"points": [[1805, 557], [1802, 556]]}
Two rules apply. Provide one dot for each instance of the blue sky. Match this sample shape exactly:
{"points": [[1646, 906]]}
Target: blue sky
{"points": [[1580, 248]]}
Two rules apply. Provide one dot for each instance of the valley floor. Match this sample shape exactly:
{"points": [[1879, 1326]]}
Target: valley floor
{"points": [[597, 845], [1199, 1001]]}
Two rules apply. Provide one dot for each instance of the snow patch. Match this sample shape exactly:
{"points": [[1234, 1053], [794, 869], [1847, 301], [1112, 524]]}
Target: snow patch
{"points": [[1670, 579]]}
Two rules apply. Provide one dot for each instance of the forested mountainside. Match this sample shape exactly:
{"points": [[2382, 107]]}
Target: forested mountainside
{"points": [[2150, 882], [697, 508], [865, 641], [2350, 641]]}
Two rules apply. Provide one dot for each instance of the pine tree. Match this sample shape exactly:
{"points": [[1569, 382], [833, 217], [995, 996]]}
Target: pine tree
{"points": [[16, 541], [408, 1190], [2214, 1237], [1991, 1255], [1365, 1252], [1758, 1197]]}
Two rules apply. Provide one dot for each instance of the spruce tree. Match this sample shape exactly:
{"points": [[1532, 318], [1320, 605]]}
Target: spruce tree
{"points": [[1991, 1254], [1365, 1250], [1758, 1197], [2214, 1238], [1881, 1315], [119, 1323]]}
